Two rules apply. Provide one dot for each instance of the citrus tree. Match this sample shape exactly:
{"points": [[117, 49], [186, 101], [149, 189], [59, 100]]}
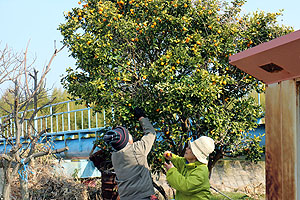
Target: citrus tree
{"points": [[171, 58]]}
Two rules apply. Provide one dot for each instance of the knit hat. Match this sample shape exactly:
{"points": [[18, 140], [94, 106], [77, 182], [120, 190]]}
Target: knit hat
{"points": [[117, 137], [202, 147]]}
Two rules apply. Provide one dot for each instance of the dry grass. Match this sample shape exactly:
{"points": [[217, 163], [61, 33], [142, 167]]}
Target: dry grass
{"points": [[44, 182]]}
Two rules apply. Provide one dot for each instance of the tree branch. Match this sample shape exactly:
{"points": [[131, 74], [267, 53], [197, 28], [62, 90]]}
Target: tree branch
{"points": [[6, 157], [39, 154]]}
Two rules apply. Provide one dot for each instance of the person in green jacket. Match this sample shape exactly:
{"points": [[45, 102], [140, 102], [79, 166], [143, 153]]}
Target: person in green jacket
{"points": [[129, 159], [189, 174]]}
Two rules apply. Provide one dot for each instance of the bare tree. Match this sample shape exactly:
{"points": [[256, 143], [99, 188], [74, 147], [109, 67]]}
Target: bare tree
{"points": [[10, 64], [23, 97]]}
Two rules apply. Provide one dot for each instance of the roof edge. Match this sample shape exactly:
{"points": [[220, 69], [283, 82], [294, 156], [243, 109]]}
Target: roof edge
{"points": [[288, 38]]}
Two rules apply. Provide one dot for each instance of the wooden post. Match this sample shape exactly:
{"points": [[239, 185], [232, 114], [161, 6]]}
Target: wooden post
{"points": [[281, 140]]}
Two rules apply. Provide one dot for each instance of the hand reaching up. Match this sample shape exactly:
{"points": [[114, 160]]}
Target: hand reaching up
{"points": [[138, 113]]}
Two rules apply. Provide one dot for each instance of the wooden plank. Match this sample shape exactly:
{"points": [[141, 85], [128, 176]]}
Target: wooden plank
{"points": [[273, 142], [289, 133], [297, 156]]}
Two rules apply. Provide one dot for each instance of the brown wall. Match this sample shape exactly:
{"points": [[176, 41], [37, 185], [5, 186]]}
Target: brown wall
{"points": [[281, 132]]}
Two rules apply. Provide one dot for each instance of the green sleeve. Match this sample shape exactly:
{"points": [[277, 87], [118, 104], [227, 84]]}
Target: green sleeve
{"points": [[188, 185], [178, 161]]}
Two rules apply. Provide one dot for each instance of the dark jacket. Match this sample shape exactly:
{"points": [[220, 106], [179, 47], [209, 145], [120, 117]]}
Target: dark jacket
{"points": [[131, 167]]}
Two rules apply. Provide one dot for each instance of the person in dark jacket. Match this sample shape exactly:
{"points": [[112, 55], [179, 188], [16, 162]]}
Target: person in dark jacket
{"points": [[130, 159]]}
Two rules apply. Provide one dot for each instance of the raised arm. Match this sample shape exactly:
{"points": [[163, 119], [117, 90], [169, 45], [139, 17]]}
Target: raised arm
{"points": [[146, 142]]}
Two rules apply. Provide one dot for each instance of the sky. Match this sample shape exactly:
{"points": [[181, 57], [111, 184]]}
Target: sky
{"points": [[36, 22]]}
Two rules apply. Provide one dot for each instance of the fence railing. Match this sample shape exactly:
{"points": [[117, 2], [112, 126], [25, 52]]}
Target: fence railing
{"points": [[60, 117]]}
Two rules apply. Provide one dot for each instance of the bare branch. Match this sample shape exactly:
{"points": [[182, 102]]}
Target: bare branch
{"points": [[33, 141], [25, 69], [44, 73], [6, 157], [7, 141], [38, 109], [39, 154], [9, 64]]}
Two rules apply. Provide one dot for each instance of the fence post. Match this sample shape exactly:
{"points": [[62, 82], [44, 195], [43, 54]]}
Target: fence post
{"points": [[41, 124], [26, 127], [11, 127], [56, 123], [51, 118], [89, 117], [63, 123], [35, 124], [82, 119], [69, 115], [96, 119], [75, 121], [104, 122]]}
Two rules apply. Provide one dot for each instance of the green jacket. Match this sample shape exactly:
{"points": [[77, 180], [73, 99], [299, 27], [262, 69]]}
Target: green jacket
{"points": [[190, 180], [131, 166]]}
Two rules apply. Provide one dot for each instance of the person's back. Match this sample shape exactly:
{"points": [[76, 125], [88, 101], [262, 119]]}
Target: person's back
{"points": [[130, 161]]}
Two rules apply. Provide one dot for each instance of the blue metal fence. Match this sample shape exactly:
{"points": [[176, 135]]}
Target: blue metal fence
{"points": [[69, 125]]}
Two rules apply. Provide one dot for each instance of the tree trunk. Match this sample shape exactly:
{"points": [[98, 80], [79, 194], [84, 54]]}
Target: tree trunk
{"points": [[6, 191], [6, 183], [24, 189], [9, 174], [212, 161]]}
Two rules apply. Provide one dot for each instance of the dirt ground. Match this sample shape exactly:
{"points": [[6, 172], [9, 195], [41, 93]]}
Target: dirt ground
{"points": [[227, 176]]}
